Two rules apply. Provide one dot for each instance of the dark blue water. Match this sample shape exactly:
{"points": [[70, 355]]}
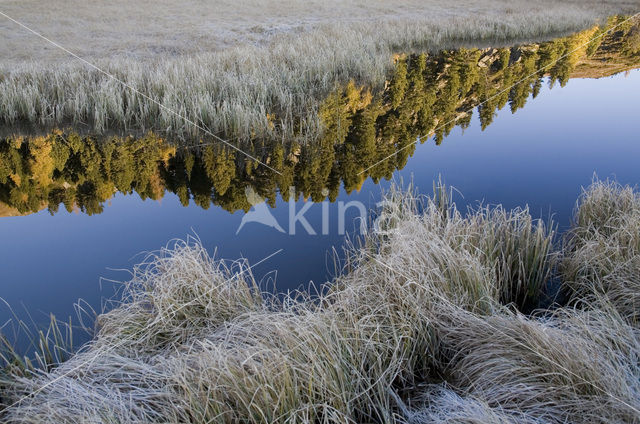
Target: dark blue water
{"points": [[541, 156]]}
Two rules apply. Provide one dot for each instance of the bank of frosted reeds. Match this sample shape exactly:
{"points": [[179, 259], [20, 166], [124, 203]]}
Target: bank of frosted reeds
{"points": [[602, 260], [426, 326], [267, 90]]}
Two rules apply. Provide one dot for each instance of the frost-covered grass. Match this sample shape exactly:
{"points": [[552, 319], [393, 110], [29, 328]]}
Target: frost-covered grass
{"points": [[240, 69], [426, 325], [602, 255]]}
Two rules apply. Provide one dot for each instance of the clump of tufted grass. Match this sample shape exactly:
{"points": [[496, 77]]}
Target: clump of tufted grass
{"points": [[602, 250], [426, 326], [517, 250], [572, 366]]}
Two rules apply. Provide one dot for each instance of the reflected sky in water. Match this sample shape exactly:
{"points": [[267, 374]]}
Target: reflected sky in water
{"points": [[539, 156]]}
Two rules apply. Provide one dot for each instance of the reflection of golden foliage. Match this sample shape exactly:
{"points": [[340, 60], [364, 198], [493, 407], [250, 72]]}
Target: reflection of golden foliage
{"points": [[398, 57], [360, 182], [41, 163], [167, 152], [365, 99], [428, 94], [356, 98], [156, 186], [16, 142], [17, 180]]}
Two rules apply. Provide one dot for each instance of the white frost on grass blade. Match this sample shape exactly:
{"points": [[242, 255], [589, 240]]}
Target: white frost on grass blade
{"points": [[417, 331], [233, 91]]}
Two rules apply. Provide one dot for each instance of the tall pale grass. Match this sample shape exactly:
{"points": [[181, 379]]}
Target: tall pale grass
{"points": [[270, 89], [424, 327], [602, 260], [149, 28]]}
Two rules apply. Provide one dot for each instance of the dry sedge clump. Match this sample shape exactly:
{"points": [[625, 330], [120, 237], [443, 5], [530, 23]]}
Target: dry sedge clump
{"points": [[158, 314], [431, 323], [602, 252]]}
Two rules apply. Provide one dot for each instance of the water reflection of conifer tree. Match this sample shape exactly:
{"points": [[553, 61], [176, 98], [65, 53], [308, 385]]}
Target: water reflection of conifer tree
{"points": [[428, 95]]}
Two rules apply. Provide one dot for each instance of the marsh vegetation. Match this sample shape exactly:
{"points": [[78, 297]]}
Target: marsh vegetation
{"points": [[364, 134], [148, 30], [252, 91], [438, 315], [434, 319]]}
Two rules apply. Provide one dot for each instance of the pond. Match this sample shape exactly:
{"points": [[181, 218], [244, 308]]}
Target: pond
{"points": [[76, 210]]}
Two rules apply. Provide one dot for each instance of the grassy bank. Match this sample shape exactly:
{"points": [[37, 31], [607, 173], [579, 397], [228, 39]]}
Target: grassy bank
{"points": [[249, 85], [365, 134], [434, 320]]}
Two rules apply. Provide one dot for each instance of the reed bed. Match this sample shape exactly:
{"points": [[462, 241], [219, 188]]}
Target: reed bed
{"points": [[267, 88], [430, 322]]}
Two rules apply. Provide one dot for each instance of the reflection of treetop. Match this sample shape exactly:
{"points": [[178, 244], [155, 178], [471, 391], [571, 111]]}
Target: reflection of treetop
{"points": [[427, 96]]}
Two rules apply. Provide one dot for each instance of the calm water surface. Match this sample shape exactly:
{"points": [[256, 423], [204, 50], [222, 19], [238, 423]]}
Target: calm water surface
{"points": [[540, 155]]}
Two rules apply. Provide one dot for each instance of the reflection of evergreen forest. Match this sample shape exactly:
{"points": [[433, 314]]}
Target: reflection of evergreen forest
{"points": [[427, 96]]}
